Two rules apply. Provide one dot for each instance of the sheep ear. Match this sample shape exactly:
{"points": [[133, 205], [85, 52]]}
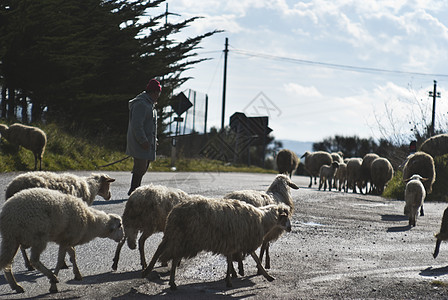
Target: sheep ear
{"points": [[424, 179], [108, 179], [406, 180], [293, 185]]}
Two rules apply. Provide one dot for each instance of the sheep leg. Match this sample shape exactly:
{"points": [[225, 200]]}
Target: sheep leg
{"points": [[156, 255], [260, 267], [117, 254], [35, 261], [230, 270], [141, 249], [12, 280], [174, 264], [25, 258], [8, 252], [422, 213], [311, 182], [436, 250], [72, 254]]}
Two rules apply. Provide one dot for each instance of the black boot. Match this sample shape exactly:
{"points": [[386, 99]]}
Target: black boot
{"points": [[135, 183]]}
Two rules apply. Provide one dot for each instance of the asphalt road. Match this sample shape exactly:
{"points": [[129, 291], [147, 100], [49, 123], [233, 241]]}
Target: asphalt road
{"points": [[342, 246]]}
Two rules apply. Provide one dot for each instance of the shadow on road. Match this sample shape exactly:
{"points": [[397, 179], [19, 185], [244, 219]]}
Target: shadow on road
{"points": [[430, 272]]}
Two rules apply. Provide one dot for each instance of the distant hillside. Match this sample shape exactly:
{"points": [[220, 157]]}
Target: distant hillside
{"points": [[297, 146]]}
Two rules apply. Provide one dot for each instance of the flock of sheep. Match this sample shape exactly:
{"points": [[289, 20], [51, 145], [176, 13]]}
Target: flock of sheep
{"points": [[43, 207]]}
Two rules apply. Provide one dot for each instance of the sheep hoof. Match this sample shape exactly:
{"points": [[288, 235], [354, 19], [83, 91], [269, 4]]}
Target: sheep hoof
{"points": [[173, 286], [19, 289], [78, 277], [114, 266], [53, 288]]}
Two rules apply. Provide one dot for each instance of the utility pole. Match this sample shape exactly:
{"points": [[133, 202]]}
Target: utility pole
{"points": [[434, 94], [226, 50]]}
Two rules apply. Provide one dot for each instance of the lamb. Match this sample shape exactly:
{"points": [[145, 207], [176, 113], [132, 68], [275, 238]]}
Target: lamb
{"points": [[85, 188], [422, 164], [436, 145], [69, 222], [29, 137], [341, 177], [222, 226], [443, 233], [278, 192], [313, 162], [366, 170], [354, 173], [381, 173], [414, 195], [337, 156], [287, 162], [326, 174], [147, 210]]}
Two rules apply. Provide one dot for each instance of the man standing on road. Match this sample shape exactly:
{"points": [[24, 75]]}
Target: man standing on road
{"points": [[142, 131]]}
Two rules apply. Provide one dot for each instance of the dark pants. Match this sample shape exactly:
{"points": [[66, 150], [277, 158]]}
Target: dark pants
{"points": [[139, 169]]}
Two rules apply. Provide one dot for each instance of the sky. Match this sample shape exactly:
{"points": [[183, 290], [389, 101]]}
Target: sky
{"points": [[322, 68]]}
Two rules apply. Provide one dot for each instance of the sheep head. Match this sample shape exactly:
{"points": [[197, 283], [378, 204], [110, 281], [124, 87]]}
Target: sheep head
{"points": [[104, 190], [416, 177], [284, 213], [115, 228]]}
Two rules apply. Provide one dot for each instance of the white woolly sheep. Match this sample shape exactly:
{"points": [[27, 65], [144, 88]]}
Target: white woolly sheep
{"points": [[146, 211], [381, 173], [68, 222], [278, 192], [29, 137], [354, 173], [287, 162], [85, 188], [313, 162], [326, 174], [443, 233], [366, 167], [337, 156], [221, 226], [414, 196], [341, 177], [436, 145], [422, 164]]}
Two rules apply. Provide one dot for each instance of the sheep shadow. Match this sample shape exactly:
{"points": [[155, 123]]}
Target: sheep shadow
{"points": [[433, 272], [243, 287], [109, 202], [110, 276], [394, 218], [22, 276]]}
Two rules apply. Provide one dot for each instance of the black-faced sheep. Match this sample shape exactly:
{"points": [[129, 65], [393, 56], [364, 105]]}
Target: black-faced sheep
{"points": [[29, 137], [313, 162], [341, 177], [222, 226], [354, 178], [366, 173], [381, 173], [146, 211], [85, 188], [326, 175], [422, 164], [443, 233], [68, 222], [414, 195], [436, 145], [278, 192], [287, 162]]}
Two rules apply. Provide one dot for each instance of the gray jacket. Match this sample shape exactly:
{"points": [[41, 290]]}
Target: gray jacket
{"points": [[142, 127]]}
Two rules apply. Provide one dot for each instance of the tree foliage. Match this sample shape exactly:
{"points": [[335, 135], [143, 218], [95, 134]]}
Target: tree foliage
{"points": [[79, 62]]}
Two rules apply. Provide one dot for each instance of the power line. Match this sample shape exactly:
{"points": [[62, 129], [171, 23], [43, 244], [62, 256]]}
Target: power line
{"points": [[330, 65]]}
